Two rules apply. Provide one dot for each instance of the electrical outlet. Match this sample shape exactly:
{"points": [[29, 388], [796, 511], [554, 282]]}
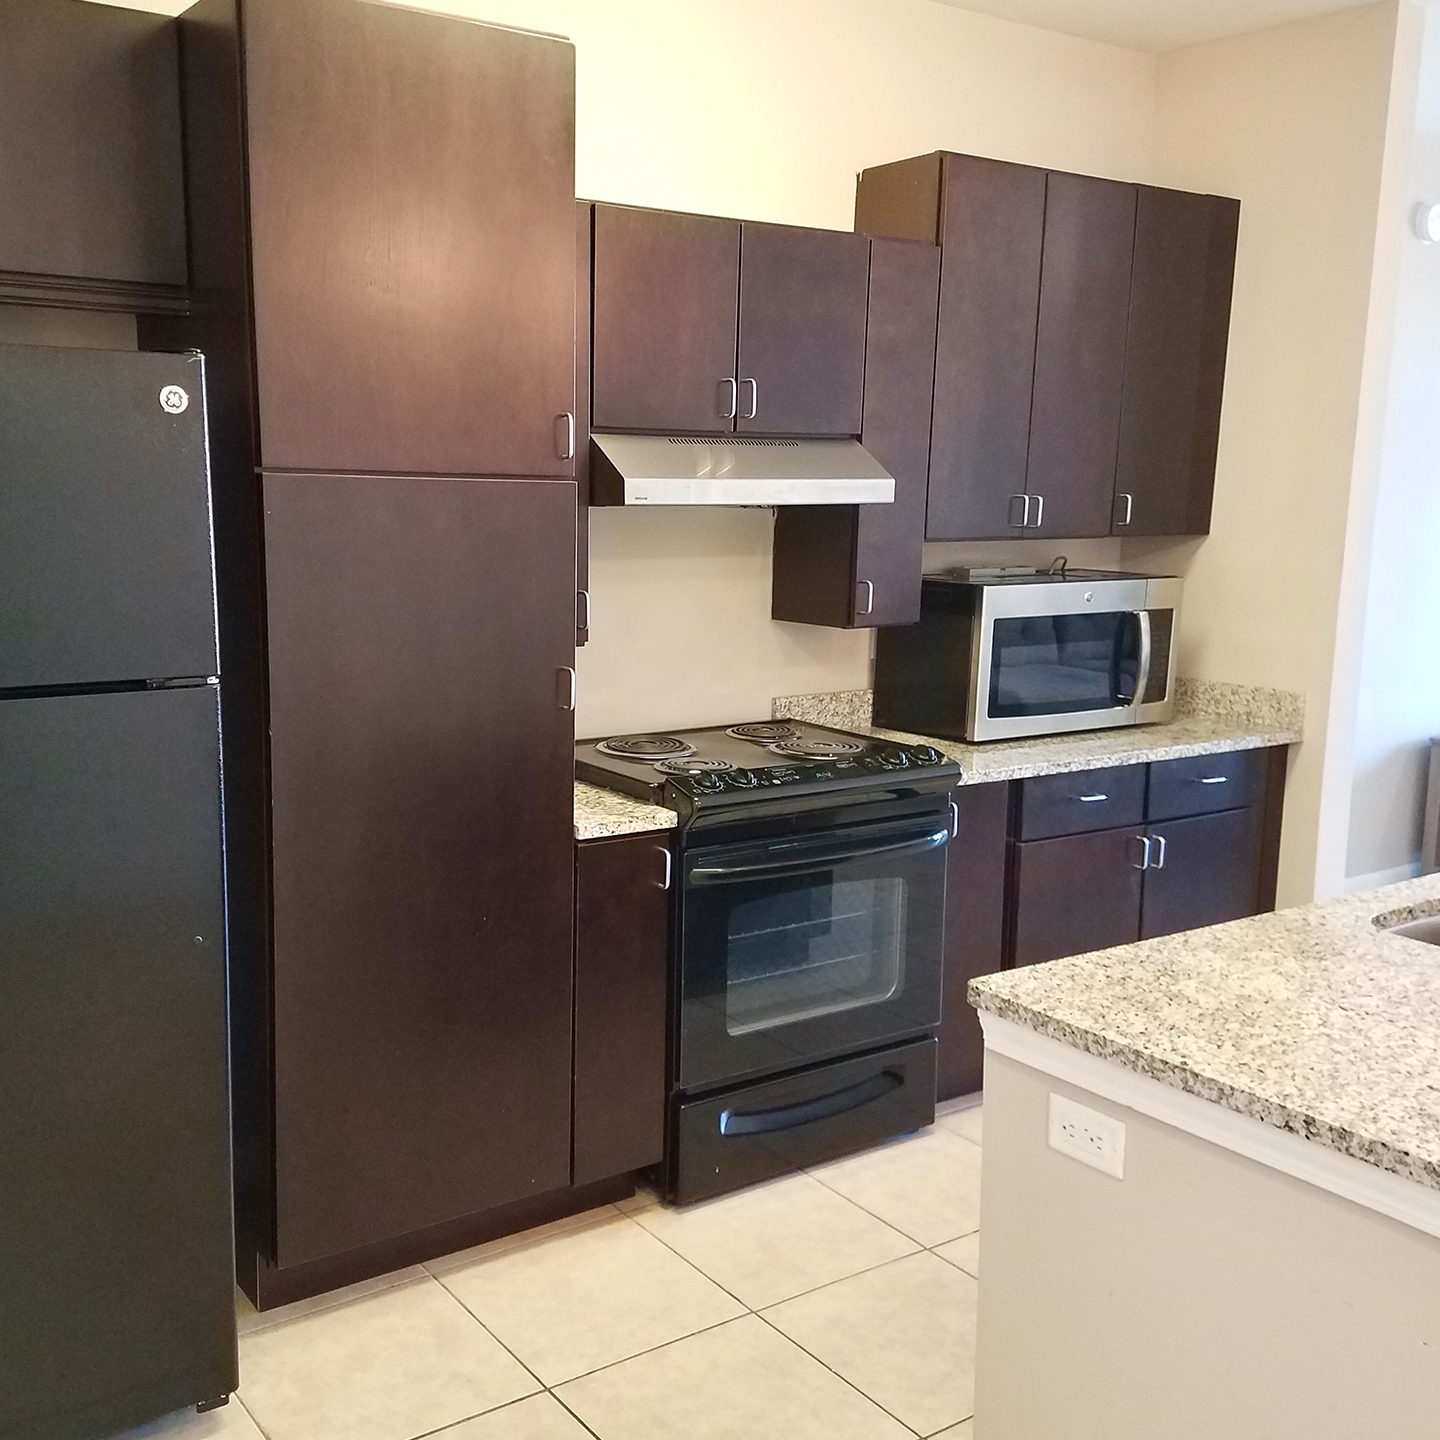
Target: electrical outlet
{"points": [[1087, 1135]]}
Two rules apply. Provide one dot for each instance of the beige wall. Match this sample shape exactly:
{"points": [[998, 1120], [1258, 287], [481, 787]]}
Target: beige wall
{"points": [[1291, 120], [1203, 1296], [766, 109]]}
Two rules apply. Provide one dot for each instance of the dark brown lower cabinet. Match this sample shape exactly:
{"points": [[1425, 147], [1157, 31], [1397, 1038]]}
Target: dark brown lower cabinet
{"points": [[423, 851], [622, 911], [1203, 871], [1075, 893], [974, 930]]}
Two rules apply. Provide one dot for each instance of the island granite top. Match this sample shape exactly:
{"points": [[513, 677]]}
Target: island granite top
{"points": [[1313, 1020]]}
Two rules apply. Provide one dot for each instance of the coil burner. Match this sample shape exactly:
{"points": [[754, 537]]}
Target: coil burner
{"points": [[817, 749], [765, 732], [646, 747]]}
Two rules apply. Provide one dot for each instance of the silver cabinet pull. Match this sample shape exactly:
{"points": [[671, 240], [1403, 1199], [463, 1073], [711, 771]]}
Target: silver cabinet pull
{"points": [[1039, 512], [954, 821], [734, 397], [582, 611], [568, 684], [568, 451], [669, 869], [1129, 507], [1215, 780], [1159, 859], [1091, 799], [1144, 864], [1024, 519], [869, 598], [754, 398]]}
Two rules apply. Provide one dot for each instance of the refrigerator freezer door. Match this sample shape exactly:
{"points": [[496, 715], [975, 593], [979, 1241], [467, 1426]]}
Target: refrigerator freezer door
{"points": [[106, 571], [116, 1272]]}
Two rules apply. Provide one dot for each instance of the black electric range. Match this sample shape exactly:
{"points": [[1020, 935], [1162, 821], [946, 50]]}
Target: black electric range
{"points": [[807, 939]]}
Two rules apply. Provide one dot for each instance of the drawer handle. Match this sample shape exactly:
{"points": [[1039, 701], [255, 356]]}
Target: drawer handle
{"points": [[1215, 780], [807, 1112], [1091, 799]]}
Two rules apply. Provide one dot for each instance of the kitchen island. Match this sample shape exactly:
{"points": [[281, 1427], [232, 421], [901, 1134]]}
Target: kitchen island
{"points": [[1250, 1246]]}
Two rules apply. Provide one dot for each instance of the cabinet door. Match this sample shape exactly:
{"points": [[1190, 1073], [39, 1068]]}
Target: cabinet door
{"points": [[1202, 871], [90, 158], [1080, 354], [802, 330], [622, 963], [584, 219], [667, 291], [423, 850], [1175, 362], [413, 300], [1075, 894], [974, 929], [847, 565], [992, 224]]}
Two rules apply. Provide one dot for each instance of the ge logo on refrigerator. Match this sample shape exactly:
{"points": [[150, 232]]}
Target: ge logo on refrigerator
{"points": [[173, 400]]}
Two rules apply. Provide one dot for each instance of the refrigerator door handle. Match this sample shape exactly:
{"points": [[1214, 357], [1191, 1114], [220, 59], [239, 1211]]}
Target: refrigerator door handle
{"points": [[566, 676]]}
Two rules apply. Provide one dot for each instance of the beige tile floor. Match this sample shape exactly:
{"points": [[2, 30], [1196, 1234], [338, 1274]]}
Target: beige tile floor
{"points": [[836, 1304]]}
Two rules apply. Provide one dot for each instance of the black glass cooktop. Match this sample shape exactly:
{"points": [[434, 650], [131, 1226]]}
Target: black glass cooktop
{"points": [[728, 764]]}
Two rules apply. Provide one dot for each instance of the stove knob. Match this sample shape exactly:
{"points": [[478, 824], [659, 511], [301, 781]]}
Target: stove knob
{"points": [[704, 780], [927, 755], [894, 759], [743, 779]]}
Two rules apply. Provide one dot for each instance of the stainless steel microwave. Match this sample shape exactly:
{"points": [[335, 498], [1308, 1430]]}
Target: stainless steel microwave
{"points": [[1000, 654]]}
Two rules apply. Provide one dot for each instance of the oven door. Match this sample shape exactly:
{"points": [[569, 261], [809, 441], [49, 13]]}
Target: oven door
{"points": [[796, 949], [1051, 658]]}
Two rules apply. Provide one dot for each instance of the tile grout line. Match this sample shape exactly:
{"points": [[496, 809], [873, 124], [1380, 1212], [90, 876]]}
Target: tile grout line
{"points": [[250, 1414], [463, 1306]]}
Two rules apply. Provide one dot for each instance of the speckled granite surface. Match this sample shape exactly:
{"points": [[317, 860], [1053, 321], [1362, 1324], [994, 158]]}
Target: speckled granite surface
{"points": [[1313, 1020], [600, 814], [1212, 719]]}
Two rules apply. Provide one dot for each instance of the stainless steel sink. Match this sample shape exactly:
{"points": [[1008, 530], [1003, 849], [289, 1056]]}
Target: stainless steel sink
{"points": [[1426, 930]]}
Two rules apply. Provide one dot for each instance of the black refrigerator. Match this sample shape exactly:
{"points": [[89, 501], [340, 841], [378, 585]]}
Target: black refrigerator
{"points": [[116, 1270]]}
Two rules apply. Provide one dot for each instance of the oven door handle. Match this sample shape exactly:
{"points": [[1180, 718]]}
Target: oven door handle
{"points": [[788, 1117], [800, 864]]}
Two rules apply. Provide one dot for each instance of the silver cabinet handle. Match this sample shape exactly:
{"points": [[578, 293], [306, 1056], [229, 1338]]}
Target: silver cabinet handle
{"points": [[669, 869], [1091, 799], [1145, 859], [869, 598], [1039, 512], [568, 452], [1215, 780], [1024, 519], [734, 397], [568, 671], [954, 821], [582, 610], [1129, 507], [754, 398], [1160, 859]]}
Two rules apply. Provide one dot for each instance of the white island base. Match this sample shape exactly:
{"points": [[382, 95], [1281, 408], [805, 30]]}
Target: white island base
{"points": [[1212, 1293]]}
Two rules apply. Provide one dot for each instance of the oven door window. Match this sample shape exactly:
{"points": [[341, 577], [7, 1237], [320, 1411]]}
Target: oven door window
{"points": [[801, 948], [1063, 664]]}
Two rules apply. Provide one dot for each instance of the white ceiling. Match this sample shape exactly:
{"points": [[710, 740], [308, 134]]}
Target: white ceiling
{"points": [[1154, 24]]}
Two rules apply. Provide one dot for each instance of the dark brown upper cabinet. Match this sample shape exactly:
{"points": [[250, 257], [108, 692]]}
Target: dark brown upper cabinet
{"points": [[397, 162], [1180, 293], [90, 158], [802, 330], [1080, 352], [860, 565], [666, 304], [1079, 356]]}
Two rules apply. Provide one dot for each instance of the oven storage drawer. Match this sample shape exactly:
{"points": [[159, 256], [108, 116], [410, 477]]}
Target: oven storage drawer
{"points": [[755, 1131], [1084, 800], [1204, 784]]}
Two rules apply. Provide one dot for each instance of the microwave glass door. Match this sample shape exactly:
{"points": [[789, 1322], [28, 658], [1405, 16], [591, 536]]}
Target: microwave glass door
{"points": [[796, 949], [1063, 664]]}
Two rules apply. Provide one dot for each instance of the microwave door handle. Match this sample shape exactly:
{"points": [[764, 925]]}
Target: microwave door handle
{"points": [[1147, 655], [720, 874]]}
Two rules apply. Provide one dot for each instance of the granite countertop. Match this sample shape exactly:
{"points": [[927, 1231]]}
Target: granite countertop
{"points": [[1313, 1020], [600, 814], [1211, 718]]}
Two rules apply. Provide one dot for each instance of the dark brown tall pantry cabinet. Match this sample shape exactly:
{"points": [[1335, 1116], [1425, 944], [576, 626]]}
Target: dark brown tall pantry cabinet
{"points": [[383, 266]]}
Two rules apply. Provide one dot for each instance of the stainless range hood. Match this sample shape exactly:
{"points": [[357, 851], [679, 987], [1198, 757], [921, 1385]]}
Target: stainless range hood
{"points": [[734, 470]]}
